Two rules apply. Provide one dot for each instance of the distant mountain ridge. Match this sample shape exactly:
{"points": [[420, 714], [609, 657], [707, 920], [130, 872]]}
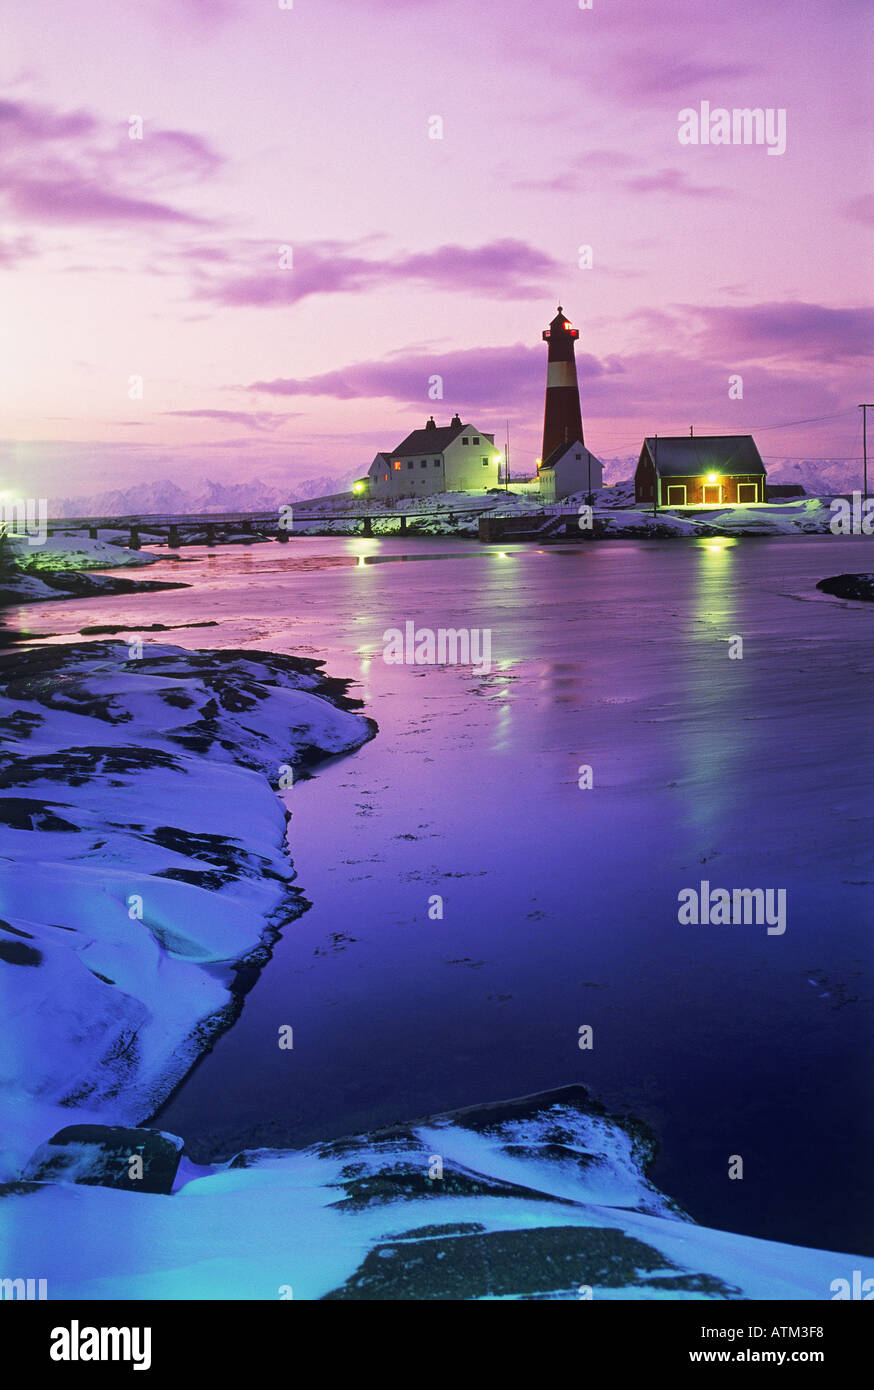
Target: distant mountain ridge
{"points": [[164, 497]]}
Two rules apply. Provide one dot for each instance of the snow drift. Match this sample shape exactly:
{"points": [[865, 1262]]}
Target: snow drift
{"points": [[144, 863]]}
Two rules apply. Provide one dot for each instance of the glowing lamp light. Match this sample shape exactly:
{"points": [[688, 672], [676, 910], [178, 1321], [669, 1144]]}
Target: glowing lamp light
{"points": [[358, 487], [712, 477]]}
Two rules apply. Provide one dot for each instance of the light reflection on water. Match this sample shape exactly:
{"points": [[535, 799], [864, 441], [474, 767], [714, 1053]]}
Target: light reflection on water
{"points": [[560, 904]]}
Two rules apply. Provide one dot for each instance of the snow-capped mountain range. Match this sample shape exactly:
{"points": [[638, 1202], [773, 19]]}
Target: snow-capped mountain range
{"points": [[164, 497]]}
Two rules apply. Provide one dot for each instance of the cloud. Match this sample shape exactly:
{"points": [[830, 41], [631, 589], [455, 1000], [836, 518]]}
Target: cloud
{"points": [[673, 181], [70, 167], [804, 332], [652, 73], [15, 249], [791, 329], [861, 209], [508, 269], [661, 388], [204, 15], [257, 420], [471, 377]]}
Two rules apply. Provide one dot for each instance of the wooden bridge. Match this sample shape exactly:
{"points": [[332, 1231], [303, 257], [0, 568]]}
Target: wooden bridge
{"points": [[211, 528]]}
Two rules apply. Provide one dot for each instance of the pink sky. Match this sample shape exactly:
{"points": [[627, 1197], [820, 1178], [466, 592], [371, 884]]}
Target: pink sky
{"points": [[416, 257]]}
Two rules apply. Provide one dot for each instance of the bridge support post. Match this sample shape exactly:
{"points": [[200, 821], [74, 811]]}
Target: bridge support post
{"points": [[173, 538], [366, 527]]}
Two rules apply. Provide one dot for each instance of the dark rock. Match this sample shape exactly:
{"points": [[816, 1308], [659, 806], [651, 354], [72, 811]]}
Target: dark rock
{"points": [[546, 1263], [100, 1156], [17, 953], [855, 586]]}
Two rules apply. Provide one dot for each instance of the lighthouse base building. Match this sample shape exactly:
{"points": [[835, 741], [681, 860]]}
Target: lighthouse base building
{"points": [[571, 468]]}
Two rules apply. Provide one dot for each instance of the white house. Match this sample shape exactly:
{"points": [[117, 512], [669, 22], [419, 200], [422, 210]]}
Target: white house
{"points": [[570, 468], [439, 458]]}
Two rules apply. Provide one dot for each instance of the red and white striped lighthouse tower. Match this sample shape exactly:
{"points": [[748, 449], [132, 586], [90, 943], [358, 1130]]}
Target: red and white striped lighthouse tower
{"points": [[562, 419]]}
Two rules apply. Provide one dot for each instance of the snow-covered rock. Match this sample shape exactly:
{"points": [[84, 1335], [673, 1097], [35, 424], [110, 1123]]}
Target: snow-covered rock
{"points": [[543, 1198], [144, 861], [74, 552]]}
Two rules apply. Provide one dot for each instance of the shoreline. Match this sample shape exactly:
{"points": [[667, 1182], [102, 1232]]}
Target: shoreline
{"points": [[381, 1151], [142, 810]]}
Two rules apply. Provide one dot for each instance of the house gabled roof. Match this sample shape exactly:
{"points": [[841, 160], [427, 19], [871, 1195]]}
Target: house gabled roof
{"points": [[681, 456], [575, 446], [430, 441]]}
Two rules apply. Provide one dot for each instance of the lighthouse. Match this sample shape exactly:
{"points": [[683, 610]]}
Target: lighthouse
{"points": [[562, 420]]}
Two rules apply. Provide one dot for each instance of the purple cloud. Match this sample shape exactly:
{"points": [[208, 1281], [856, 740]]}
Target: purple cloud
{"points": [[69, 167], [77, 200], [805, 332], [508, 268], [472, 377], [673, 181], [258, 420], [22, 123], [861, 209], [651, 73]]}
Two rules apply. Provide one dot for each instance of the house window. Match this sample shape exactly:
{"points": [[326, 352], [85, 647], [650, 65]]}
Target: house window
{"points": [[409, 463], [385, 477], [465, 441], [436, 463], [476, 439], [424, 463], [397, 465], [485, 463]]}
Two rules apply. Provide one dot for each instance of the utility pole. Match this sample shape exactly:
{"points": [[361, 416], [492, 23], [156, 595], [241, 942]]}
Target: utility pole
{"points": [[655, 490], [865, 407], [507, 458]]}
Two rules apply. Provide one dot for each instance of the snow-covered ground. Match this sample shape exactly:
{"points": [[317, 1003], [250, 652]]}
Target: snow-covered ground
{"points": [[72, 551], [542, 1198], [60, 567], [614, 515], [144, 860]]}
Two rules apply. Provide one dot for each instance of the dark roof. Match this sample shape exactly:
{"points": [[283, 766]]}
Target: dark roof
{"points": [[559, 452], [430, 441], [683, 456]]}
